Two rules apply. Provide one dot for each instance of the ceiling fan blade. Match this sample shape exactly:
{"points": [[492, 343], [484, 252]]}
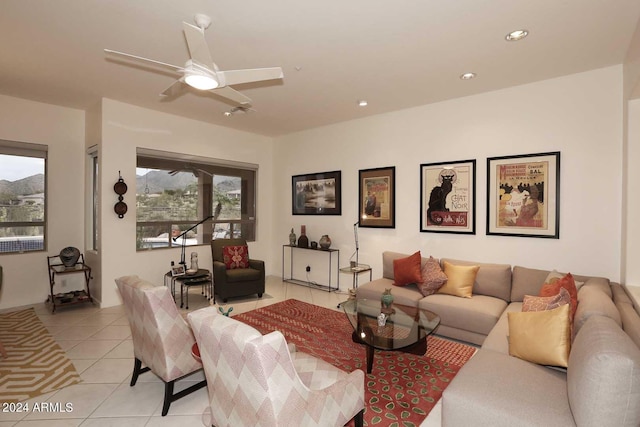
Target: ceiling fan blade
{"points": [[140, 58], [175, 89], [234, 77], [232, 94], [198, 47]]}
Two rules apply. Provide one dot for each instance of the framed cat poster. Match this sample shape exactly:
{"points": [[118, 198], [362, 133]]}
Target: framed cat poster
{"points": [[448, 197], [523, 195]]}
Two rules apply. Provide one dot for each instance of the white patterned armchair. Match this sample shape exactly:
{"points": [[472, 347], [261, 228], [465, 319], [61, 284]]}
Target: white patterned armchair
{"points": [[254, 380], [162, 339]]}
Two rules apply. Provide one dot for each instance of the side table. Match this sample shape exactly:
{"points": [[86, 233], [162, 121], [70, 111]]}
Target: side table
{"points": [[202, 277], [56, 267], [356, 270]]}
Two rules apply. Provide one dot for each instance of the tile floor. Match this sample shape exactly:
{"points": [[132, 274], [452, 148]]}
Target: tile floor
{"points": [[98, 342]]}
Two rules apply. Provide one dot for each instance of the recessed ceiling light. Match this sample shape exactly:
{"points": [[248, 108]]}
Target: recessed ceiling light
{"points": [[467, 76], [516, 35], [228, 113], [362, 103]]}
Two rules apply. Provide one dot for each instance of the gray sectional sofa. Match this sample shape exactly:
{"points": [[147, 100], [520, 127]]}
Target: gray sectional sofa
{"points": [[600, 387]]}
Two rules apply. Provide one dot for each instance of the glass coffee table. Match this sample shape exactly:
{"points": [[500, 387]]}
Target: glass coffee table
{"points": [[406, 328]]}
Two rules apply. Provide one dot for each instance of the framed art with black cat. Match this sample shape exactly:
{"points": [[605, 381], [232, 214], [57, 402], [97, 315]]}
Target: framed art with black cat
{"points": [[377, 197], [448, 197], [523, 195]]}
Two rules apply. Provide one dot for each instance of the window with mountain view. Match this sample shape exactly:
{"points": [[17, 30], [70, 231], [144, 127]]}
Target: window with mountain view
{"points": [[172, 196], [22, 197]]}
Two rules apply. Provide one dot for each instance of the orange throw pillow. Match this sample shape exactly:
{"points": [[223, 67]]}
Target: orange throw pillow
{"points": [[552, 288], [407, 270]]}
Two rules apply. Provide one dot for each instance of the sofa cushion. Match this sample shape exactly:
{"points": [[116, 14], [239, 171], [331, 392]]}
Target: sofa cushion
{"points": [[542, 337], [406, 295], [387, 262], [492, 279], [532, 303], [432, 277], [243, 275], [593, 301], [478, 314], [460, 280], [235, 256], [553, 288], [497, 390], [407, 270], [498, 338], [603, 379]]}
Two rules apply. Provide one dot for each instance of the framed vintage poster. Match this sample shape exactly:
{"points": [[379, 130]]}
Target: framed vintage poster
{"points": [[317, 194], [448, 197], [377, 197], [523, 195]]}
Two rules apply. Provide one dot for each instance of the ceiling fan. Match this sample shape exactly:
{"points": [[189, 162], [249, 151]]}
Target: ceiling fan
{"points": [[200, 72]]}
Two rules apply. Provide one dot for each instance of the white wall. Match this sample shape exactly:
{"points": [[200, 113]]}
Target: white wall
{"points": [[62, 130], [578, 115], [125, 128], [632, 253]]}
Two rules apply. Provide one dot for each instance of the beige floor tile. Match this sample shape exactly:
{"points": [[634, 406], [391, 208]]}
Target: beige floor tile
{"points": [[191, 404], [175, 420], [121, 422], [122, 351], [112, 332], [76, 332], [107, 371], [67, 345], [142, 399], [92, 349], [51, 423], [81, 365], [103, 319], [84, 398]]}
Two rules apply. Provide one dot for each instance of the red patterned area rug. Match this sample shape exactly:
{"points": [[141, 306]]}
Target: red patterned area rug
{"points": [[402, 387]]}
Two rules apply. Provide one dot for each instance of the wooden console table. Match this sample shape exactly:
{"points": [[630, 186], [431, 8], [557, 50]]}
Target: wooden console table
{"points": [[56, 267]]}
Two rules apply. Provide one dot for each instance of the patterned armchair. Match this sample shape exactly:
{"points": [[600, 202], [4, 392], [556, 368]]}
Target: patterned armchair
{"points": [[237, 282], [254, 380], [162, 339]]}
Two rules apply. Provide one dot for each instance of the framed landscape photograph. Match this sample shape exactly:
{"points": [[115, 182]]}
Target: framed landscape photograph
{"points": [[448, 197], [317, 194], [523, 195], [377, 197]]}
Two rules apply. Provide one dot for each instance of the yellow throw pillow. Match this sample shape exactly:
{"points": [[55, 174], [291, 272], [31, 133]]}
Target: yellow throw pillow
{"points": [[542, 337], [460, 279]]}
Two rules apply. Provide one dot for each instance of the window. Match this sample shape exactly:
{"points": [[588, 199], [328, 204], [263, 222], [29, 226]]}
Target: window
{"points": [[93, 232], [173, 195], [22, 197]]}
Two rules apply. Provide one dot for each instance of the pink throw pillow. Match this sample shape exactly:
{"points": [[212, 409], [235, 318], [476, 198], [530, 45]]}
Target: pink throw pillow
{"points": [[432, 277]]}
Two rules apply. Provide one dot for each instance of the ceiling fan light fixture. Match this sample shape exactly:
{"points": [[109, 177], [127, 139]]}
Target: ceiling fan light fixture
{"points": [[200, 81]]}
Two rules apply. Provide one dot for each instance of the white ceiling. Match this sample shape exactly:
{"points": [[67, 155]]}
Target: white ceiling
{"points": [[395, 55]]}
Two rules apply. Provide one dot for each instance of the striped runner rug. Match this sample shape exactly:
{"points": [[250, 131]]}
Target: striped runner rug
{"points": [[401, 389], [35, 364]]}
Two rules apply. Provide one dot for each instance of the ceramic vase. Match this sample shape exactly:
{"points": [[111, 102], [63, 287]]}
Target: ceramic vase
{"points": [[387, 298], [69, 256], [303, 240], [325, 242]]}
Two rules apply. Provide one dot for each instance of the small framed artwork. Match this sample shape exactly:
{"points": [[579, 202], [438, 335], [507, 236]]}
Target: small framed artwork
{"points": [[523, 195], [317, 194], [377, 198], [448, 197], [177, 270]]}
